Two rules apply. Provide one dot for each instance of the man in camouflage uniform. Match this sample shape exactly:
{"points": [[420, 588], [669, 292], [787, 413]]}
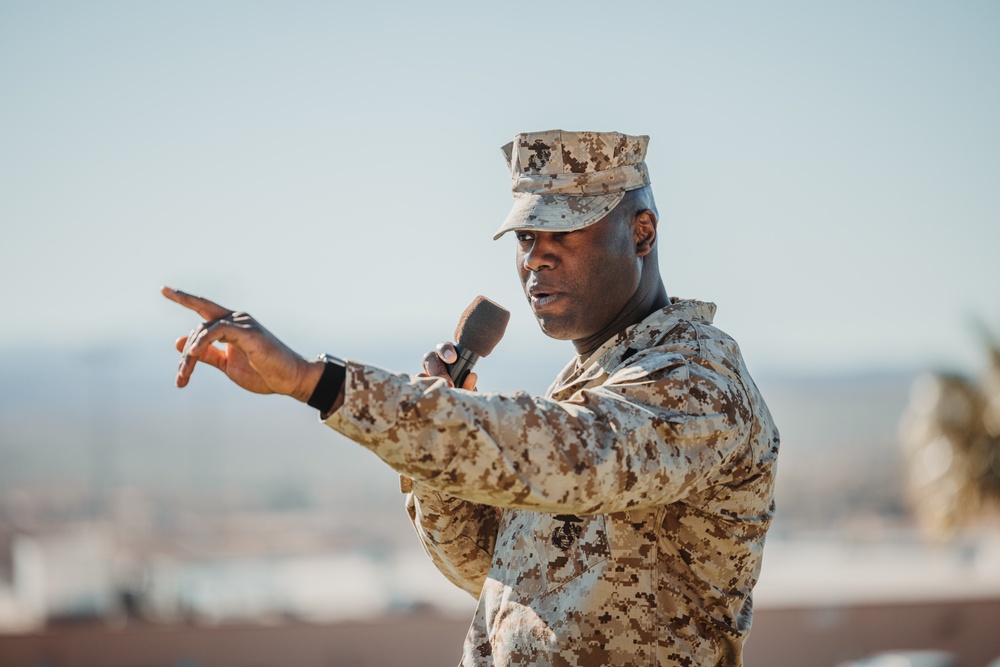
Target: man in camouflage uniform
{"points": [[620, 519]]}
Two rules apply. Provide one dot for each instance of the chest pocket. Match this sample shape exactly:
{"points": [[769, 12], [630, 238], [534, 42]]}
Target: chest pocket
{"points": [[570, 545], [539, 553]]}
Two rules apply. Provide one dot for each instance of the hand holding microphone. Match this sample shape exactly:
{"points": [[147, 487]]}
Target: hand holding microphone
{"points": [[480, 328]]}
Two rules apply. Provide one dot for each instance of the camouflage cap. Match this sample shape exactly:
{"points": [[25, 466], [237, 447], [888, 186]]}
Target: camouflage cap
{"points": [[569, 180]]}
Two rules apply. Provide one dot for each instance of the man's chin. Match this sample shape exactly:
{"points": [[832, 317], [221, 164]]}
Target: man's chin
{"points": [[554, 329]]}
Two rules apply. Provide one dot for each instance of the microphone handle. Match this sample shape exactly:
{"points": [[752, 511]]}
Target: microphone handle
{"points": [[461, 368]]}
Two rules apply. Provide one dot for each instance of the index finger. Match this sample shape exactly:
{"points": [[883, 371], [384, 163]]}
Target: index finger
{"points": [[209, 310]]}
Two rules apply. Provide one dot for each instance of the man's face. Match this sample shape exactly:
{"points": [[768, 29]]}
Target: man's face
{"points": [[578, 282]]}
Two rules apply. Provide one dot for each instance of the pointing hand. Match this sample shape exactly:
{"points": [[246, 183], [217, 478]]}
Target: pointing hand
{"points": [[253, 357]]}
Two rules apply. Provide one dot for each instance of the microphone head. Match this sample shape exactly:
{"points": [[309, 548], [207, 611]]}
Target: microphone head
{"points": [[482, 326]]}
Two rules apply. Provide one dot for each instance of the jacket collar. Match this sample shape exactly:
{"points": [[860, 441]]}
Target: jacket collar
{"points": [[615, 351]]}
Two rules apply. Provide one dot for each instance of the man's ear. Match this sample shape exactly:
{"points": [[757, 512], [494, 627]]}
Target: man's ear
{"points": [[645, 232]]}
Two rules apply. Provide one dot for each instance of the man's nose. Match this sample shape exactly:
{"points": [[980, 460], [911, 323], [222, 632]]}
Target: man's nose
{"points": [[539, 255]]}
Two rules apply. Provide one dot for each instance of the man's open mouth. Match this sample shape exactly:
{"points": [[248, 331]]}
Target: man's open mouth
{"points": [[543, 298]]}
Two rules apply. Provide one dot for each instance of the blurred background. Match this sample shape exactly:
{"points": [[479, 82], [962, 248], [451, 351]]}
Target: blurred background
{"points": [[825, 173]]}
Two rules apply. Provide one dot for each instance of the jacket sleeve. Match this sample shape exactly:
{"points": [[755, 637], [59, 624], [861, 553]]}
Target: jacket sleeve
{"points": [[649, 435], [458, 535]]}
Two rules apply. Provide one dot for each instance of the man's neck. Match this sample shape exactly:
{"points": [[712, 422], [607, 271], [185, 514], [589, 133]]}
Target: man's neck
{"points": [[639, 307]]}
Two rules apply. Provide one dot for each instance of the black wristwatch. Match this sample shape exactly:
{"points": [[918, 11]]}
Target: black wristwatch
{"points": [[330, 383]]}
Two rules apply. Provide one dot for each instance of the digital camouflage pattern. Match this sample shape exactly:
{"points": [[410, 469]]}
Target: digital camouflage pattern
{"points": [[568, 180], [619, 520]]}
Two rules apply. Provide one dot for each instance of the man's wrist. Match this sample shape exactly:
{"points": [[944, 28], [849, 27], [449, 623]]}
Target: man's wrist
{"points": [[311, 372]]}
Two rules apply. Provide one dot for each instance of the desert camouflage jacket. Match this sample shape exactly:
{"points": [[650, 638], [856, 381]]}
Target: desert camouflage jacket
{"points": [[619, 520]]}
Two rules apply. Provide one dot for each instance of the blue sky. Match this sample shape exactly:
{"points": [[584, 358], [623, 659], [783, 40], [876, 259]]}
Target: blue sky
{"points": [[827, 173]]}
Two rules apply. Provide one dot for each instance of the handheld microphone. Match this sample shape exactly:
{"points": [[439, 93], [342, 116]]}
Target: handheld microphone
{"points": [[482, 326]]}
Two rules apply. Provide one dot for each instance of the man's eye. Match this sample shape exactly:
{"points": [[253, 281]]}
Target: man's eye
{"points": [[524, 237]]}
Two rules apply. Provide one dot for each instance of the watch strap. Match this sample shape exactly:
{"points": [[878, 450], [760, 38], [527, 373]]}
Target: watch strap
{"points": [[329, 385]]}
